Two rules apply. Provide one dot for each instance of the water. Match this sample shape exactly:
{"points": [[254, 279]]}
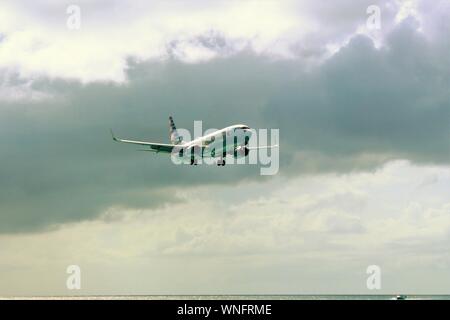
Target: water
{"points": [[235, 297]]}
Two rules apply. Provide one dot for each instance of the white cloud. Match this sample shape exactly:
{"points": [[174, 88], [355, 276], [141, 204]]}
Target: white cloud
{"points": [[407, 8], [38, 43], [98, 51], [344, 222]]}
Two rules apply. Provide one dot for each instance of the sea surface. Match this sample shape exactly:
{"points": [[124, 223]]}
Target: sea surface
{"points": [[232, 297]]}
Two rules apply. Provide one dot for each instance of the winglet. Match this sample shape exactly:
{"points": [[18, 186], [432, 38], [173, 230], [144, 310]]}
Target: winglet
{"points": [[112, 134]]}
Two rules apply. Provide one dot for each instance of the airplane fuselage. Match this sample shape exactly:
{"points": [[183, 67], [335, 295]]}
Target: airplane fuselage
{"points": [[231, 140]]}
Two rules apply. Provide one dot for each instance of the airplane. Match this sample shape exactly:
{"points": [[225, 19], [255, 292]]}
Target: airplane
{"points": [[213, 145]]}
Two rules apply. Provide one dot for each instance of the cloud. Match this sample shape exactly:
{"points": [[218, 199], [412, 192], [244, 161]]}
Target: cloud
{"points": [[360, 108], [349, 102], [36, 41], [326, 226], [388, 101]]}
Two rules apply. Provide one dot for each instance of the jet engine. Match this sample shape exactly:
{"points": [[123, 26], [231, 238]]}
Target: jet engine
{"points": [[194, 153], [241, 151]]}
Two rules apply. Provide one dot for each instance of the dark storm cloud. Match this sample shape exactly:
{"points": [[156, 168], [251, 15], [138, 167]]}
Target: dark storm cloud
{"points": [[59, 164], [390, 101]]}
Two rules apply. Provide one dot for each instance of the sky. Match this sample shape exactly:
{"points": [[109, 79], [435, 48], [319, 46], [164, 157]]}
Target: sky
{"points": [[364, 119]]}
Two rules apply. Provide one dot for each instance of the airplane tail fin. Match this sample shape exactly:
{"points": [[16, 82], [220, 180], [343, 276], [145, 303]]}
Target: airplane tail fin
{"points": [[175, 138]]}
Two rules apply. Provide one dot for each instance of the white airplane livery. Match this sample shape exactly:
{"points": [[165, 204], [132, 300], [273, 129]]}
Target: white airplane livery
{"points": [[232, 140]]}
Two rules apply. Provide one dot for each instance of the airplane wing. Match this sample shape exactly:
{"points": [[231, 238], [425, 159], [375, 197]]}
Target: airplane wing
{"points": [[155, 147], [263, 147]]}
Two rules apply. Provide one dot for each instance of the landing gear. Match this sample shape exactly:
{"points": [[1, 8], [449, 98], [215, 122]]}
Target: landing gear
{"points": [[221, 162]]}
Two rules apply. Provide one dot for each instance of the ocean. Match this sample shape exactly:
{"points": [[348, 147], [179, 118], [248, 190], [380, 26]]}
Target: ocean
{"points": [[231, 297]]}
